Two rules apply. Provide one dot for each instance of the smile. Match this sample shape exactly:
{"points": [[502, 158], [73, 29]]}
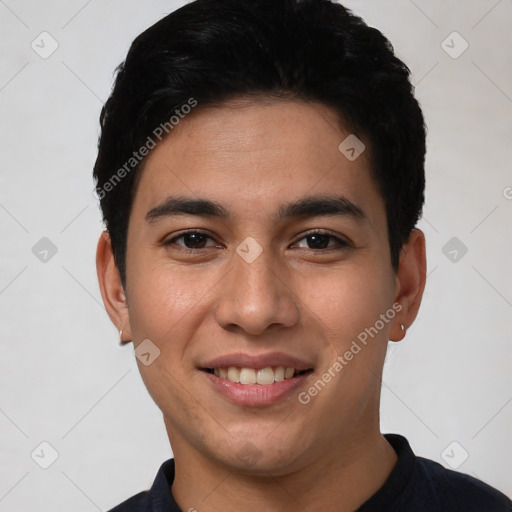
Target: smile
{"points": [[263, 377]]}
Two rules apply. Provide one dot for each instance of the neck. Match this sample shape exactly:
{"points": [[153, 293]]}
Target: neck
{"points": [[340, 479]]}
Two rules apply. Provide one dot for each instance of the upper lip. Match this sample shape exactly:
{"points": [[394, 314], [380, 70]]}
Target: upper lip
{"points": [[271, 359]]}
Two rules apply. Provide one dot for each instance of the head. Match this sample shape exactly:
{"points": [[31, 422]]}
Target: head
{"points": [[285, 134]]}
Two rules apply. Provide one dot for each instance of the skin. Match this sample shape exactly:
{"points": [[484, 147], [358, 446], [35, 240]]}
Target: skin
{"points": [[252, 156]]}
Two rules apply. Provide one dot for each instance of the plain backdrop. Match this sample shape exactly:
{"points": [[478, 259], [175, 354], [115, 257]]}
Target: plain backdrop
{"points": [[63, 378]]}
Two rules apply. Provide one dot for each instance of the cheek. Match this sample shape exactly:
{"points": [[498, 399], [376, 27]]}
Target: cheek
{"points": [[163, 300], [348, 300], [165, 307]]}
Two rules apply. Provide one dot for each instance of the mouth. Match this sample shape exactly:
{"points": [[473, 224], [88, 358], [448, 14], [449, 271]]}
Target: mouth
{"points": [[254, 376], [256, 380], [256, 387]]}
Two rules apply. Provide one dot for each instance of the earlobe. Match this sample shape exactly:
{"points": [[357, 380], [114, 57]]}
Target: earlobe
{"points": [[398, 332], [411, 277], [112, 292]]}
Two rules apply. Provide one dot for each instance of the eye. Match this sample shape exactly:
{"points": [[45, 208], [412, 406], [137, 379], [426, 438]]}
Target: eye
{"points": [[192, 240], [320, 240]]}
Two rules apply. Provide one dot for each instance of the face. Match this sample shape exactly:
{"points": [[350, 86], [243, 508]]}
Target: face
{"points": [[275, 257]]}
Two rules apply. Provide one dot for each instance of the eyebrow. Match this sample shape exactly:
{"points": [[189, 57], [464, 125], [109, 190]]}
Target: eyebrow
{"points": [[311, 206]]}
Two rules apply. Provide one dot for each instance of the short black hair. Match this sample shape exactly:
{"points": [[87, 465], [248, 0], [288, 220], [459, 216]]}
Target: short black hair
{"points": [[211, 51]]}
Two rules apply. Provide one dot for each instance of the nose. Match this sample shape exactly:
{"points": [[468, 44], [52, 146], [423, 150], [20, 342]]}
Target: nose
{"points": [[257, 295]]}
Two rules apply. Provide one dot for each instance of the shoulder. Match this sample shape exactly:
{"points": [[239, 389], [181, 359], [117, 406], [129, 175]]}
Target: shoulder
{"points": [[158, 498], [456, 491], [423, 485], [138, 503]]}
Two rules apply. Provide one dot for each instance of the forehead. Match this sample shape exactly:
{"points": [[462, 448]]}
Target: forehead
{"points": [[253, 156]]}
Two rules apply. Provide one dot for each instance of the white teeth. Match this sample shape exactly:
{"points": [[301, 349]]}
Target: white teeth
{"points": [[247, 376], [263, 376], [279, 374], [233, 374]]}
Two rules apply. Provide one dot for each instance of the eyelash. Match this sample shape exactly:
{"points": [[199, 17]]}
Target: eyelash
{"points": [[341, 243]]}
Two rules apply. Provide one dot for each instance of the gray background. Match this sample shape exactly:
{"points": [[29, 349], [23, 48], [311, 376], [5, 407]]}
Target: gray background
{"points": [[64, 379]]}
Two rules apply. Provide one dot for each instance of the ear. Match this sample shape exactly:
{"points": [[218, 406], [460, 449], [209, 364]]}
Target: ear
{"points": [[112, 292], [410, 283]]}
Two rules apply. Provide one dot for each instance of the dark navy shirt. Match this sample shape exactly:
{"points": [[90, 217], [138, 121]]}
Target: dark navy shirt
{"points": [[414, 485]]}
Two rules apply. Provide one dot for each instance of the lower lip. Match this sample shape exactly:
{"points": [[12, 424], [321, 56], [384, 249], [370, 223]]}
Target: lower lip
{"points": [[256, 394]]}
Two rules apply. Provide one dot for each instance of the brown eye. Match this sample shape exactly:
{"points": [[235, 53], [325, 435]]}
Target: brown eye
{"points": [[191, 240], [319, 240]]}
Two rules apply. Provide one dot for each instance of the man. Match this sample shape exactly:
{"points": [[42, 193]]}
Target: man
{"points": [[261, 173]]}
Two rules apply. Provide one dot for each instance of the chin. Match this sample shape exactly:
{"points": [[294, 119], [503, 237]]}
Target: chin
{"points": [[260, 455]]}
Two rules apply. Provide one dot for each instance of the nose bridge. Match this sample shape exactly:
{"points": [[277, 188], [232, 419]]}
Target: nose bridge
{"points": [[255, 296], [257, 277]]}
